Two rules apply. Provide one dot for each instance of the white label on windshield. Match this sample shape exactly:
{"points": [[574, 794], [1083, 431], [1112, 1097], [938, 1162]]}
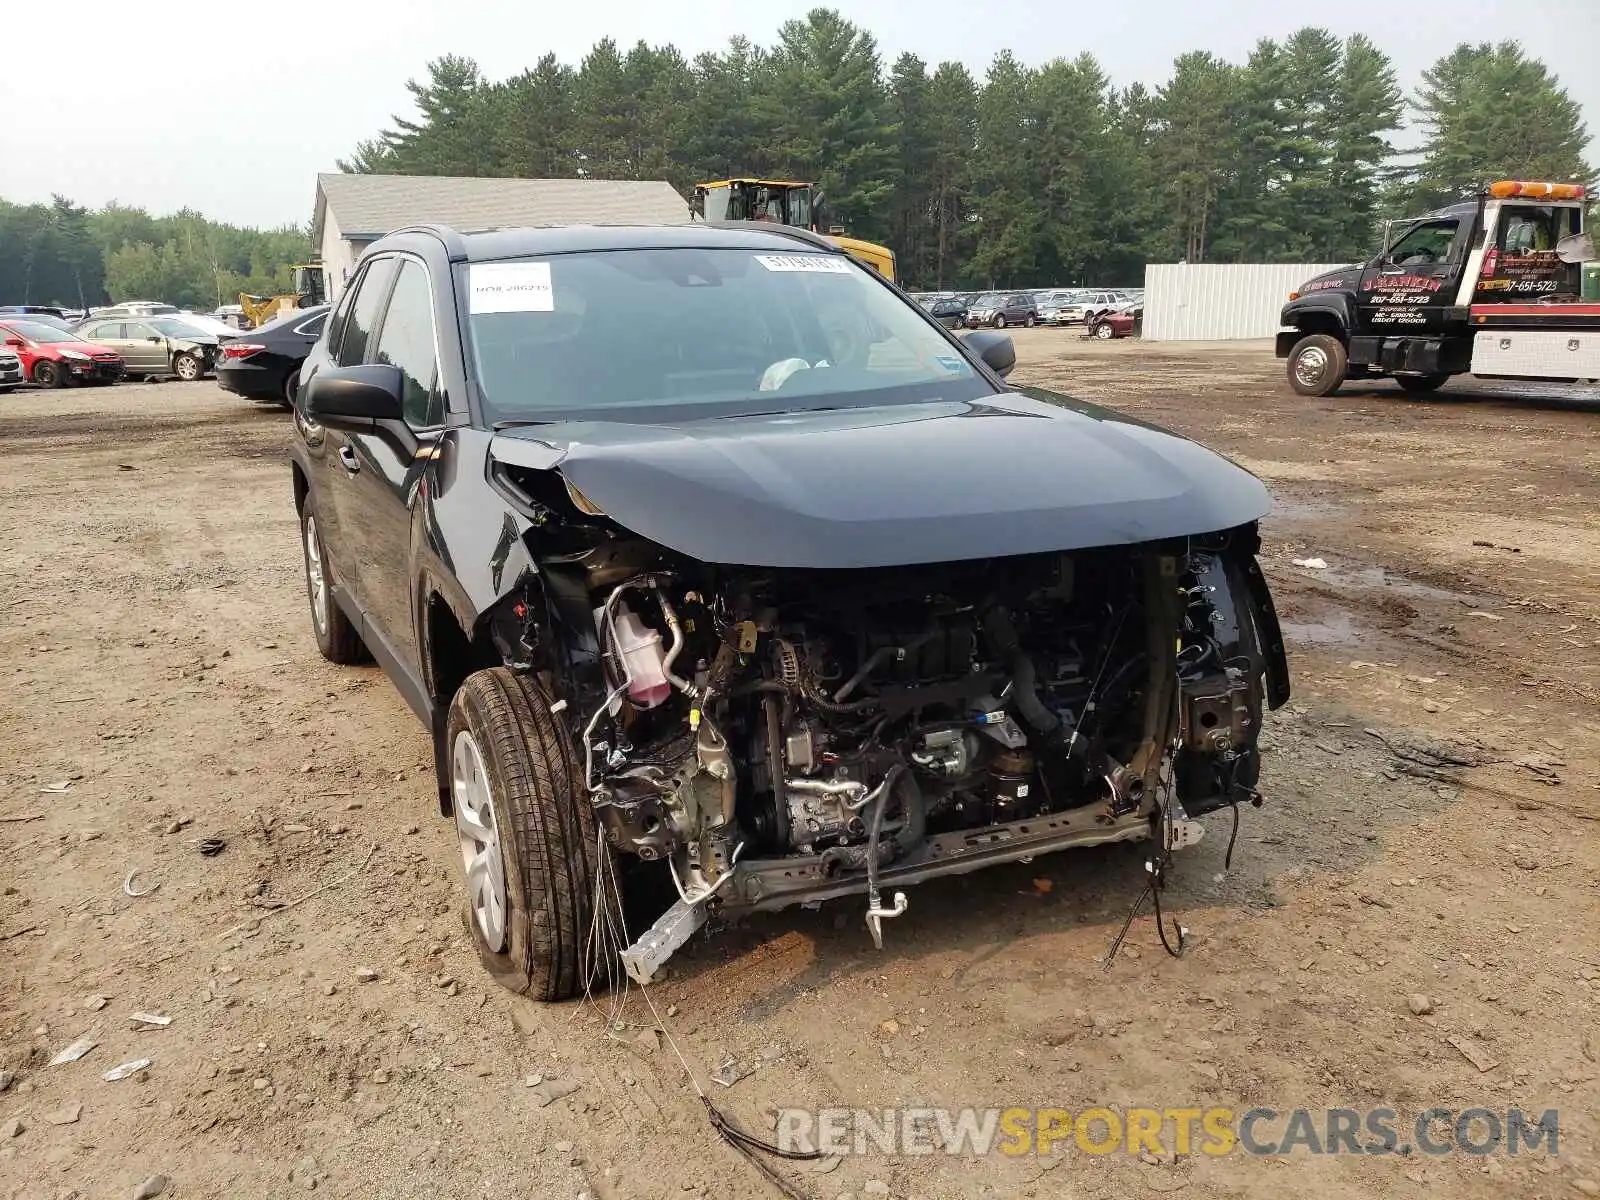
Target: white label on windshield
{"points": [[510, 287], [826, 263]]}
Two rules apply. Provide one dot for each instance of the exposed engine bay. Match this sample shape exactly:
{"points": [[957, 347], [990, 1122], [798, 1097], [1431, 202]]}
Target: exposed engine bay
{"points": [[778, 736]]}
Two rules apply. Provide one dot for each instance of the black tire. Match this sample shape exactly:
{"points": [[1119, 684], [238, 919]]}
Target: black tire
{"points": [[47, 373], [545, 832], [291, 389], [336, 634], [1419, 385], [187, 367], [1317, 365], [1030, 321], [999, 321], [1103, 331]]}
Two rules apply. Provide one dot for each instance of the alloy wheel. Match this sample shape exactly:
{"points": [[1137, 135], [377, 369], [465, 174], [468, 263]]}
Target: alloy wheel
{"points": [[480, 841]]}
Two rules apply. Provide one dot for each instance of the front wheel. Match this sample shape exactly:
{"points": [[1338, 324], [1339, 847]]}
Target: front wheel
{"points": [[999, 321], [291, 389], [187, 367], [1317, 365], [529, 847], [1029, 321], [1419, 385], [1103, 331], [47, 373]]}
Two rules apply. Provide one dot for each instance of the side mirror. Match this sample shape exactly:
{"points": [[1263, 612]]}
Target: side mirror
{"points": [[16, 342], [997, 350], [355, 397], [154, 339]]}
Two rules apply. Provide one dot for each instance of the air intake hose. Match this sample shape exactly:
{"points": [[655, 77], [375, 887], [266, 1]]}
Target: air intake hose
{"points": [[1003, 639]]}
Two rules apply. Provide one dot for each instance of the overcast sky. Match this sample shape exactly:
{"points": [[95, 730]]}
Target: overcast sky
{"points": [[233, 108]]}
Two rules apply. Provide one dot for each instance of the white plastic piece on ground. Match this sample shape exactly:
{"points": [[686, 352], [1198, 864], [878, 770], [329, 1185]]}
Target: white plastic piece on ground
{"points": [[1316, 564], [123, 1070], [74, 1052], [662, 940]]}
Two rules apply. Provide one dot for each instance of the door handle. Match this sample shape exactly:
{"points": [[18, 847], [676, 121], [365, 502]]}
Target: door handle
{"points": [[348, 457]]}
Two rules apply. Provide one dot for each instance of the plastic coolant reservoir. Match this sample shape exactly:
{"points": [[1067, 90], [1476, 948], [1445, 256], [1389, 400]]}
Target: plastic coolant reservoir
{"points": [[639, 648]]}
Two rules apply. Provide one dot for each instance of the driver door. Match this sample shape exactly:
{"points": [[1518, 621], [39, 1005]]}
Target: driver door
{"points": [[1407, 291]]}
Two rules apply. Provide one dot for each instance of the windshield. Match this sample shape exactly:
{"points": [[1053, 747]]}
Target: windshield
{"points": [[989, 300], [577, 334], [36, 332]]}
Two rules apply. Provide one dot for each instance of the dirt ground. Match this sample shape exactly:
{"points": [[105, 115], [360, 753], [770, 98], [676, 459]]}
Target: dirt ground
{"points": [[1429, 828]]}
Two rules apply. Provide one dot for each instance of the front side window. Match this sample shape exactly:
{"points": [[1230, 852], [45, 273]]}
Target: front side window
{"points": [[357, 331], [137, 329], [604, 331], [406, 341], [1425, 244]]}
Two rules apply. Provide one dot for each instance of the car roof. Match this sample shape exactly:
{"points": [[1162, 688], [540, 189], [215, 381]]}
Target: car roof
{"points": [[489, 244]]}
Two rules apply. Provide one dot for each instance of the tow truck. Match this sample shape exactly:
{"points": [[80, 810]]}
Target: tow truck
{"points": [[1502, 286]]}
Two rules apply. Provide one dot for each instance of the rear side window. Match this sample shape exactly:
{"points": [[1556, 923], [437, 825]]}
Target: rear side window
{"points": [[313, 328], [406, 341], [357, 331]]}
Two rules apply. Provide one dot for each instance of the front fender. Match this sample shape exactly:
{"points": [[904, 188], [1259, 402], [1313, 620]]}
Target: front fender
{"points": [[1319, 311]]}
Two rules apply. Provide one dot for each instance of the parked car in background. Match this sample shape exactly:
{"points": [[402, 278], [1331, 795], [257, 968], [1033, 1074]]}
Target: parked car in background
{"points": [[1118, 322], [1097, 304], [156, 345], [264, 364], [40, 318], [949, 311], [206, 323], [999, 309], [1052, 306], [133, 308], [32, 310], [10, 370], [53, 357]]}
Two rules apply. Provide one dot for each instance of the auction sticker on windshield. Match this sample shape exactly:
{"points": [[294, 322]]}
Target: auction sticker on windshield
{"points": [[825, 263], [510, 287]]}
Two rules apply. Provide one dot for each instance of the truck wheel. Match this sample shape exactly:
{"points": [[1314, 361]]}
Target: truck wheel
{"points": [[1419, 385], [528, 840], [1317, 365]]}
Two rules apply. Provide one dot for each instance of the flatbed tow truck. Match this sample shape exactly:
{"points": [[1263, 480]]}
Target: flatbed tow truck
{"points": [[1494, 286]]}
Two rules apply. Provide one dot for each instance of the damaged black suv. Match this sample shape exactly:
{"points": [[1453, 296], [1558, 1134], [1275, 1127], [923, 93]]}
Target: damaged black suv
{"points": [[706, 554]]}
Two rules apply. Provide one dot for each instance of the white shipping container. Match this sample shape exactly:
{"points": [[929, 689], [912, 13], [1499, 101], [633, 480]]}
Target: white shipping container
{"points": [[1220, 301]]}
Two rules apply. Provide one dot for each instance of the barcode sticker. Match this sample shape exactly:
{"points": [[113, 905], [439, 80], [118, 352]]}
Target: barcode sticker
{"points": [[826, 264]]}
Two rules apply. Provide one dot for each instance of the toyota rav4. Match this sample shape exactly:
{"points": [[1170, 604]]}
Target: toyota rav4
{"points": [[705, 553]]}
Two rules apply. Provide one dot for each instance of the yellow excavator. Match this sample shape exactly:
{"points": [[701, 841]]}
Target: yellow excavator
{"points": [[308, 293], [783, 202]]}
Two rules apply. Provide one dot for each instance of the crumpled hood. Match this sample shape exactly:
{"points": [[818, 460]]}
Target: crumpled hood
{"points": [[893, 485]]}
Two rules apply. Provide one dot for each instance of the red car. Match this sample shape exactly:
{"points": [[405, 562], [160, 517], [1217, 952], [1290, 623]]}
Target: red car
{"points": [[1114, 324], [53, 357]]}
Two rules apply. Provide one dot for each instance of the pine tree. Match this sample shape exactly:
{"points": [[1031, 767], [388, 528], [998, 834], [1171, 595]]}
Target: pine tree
{"points": [[1490, 112], [830, 115]]}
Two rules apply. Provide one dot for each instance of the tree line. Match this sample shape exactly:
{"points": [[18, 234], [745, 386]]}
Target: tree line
{"points": [[65, 255], [1033, 174]]}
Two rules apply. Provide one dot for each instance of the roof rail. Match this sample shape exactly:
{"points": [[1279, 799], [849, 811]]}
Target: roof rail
{"points": [[454, 247]]}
